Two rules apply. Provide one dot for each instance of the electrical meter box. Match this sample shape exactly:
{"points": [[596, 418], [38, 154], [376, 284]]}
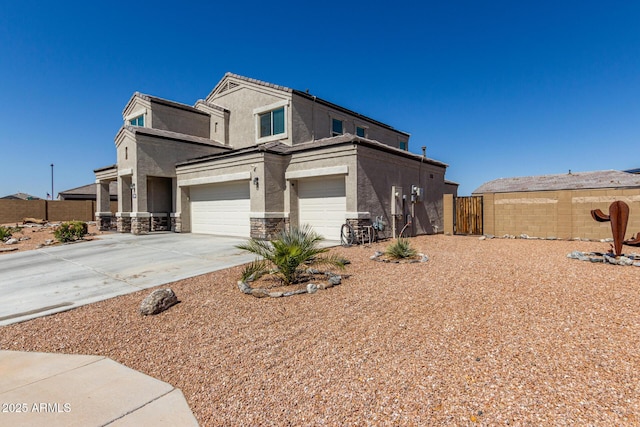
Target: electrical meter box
{"points": [[396, 200], [417, 193]]}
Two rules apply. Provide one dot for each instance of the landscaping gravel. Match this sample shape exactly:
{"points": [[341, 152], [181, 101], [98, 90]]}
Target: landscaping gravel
{"points": [[487, 332]]}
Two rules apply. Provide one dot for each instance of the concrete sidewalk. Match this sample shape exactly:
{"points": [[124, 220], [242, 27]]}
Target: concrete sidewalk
{"points": [[42, 389], [59, 278]]}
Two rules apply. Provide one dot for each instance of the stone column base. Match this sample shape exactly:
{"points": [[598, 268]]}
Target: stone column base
{"points": [[176, 223], [105, 221], [140, 224], [268, 228], [160, 222], [123, 223]]}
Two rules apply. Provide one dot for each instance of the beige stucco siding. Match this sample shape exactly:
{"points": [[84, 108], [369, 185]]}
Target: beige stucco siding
{"points": [[242, 101], [266, 194], [313, 120], [330, 161], [174, 119], [378, 172], [564, 214], [155, 157]]}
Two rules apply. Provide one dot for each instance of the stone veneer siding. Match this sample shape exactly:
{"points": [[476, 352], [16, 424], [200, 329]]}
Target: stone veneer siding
{"points": [[123, 224], [176, 224], [140, 225], [160, 223], [268, 228], [106, 222]]}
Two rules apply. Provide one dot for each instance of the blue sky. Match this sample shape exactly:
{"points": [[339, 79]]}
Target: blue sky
{"points": [[494, 89]]}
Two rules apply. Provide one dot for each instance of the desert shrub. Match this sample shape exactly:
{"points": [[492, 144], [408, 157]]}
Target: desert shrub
{"points": [[400, 249], [286, 256], [6, 232], [71, 231]]}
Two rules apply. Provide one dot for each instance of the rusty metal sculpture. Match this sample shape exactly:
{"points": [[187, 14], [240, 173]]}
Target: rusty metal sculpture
{"points": [[619, 217]]}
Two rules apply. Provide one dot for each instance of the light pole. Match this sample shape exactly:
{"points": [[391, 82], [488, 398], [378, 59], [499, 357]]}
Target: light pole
{"points": [[51, 181]]}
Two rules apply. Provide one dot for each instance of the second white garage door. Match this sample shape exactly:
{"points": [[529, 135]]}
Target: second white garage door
{"points": [[221, 209], [322, 203]]}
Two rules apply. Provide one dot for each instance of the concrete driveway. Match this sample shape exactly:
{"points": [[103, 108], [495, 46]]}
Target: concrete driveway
{"points": [[54, 279]]}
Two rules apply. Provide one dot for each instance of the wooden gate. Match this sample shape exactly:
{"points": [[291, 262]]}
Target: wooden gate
{"points": [[468, 215]]}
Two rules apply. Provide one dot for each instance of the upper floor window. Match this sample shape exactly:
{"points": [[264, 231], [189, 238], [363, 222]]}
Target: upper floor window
{"points": [[360, 131], [137, 121], [337, 127], [403, 145], [272, 122]]}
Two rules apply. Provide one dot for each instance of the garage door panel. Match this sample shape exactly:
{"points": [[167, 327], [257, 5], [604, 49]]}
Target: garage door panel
{"points": [[221, 209], [322, 205]]}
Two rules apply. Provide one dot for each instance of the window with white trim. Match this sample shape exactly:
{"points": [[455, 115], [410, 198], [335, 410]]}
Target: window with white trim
{"points": [[137, 121], [271, 123], [337, 127], [361, 132], [403, 145]]}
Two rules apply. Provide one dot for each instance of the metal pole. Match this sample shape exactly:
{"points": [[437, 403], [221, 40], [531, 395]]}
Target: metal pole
{"points": [[51, 181]]}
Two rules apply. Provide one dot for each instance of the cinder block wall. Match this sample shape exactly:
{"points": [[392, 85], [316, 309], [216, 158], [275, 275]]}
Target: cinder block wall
{"points": [[15, 211], [67, 210], [563, 214]]}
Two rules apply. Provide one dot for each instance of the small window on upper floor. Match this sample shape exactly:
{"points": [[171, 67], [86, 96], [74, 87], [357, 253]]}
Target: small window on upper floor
{"points": [[337, 127], [360, 131], [403, 145], [272, 122], [137, 121]]}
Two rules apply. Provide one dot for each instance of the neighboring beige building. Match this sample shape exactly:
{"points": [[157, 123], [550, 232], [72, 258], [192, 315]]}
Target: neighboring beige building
{"points": [[253, 158], [558, 205]]}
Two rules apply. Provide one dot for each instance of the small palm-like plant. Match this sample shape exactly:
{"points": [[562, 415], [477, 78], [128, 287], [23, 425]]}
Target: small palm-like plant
{"points": [[401, 249], [286, 255]]}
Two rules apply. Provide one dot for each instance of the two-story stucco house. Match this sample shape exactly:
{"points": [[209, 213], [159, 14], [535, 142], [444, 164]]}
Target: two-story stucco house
{"points": [[254, 157]]}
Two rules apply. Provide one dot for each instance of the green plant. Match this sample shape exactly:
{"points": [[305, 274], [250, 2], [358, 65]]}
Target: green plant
{"points": [[285, 256], [6, 232], [400, 249], [71, 231]]}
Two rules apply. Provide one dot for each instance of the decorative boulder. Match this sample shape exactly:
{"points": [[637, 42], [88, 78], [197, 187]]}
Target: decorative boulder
{"points": [[158, 301]]}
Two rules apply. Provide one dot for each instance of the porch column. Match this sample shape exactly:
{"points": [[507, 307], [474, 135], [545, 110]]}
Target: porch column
{"points": [[103, 205], [123, 217], [140, 217]]}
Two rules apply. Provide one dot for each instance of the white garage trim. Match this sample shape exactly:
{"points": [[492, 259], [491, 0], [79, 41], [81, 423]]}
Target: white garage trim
{"points": [[322, 203], [214, 179], [221, 208], [309, 173]]}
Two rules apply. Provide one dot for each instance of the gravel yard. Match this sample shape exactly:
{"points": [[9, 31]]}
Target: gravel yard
{"points": [[487, 332], [34, 236]]}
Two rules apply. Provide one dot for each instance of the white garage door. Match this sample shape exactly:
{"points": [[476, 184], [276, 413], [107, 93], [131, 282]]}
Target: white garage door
{"points": [[221, 209], [322, 203]]}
